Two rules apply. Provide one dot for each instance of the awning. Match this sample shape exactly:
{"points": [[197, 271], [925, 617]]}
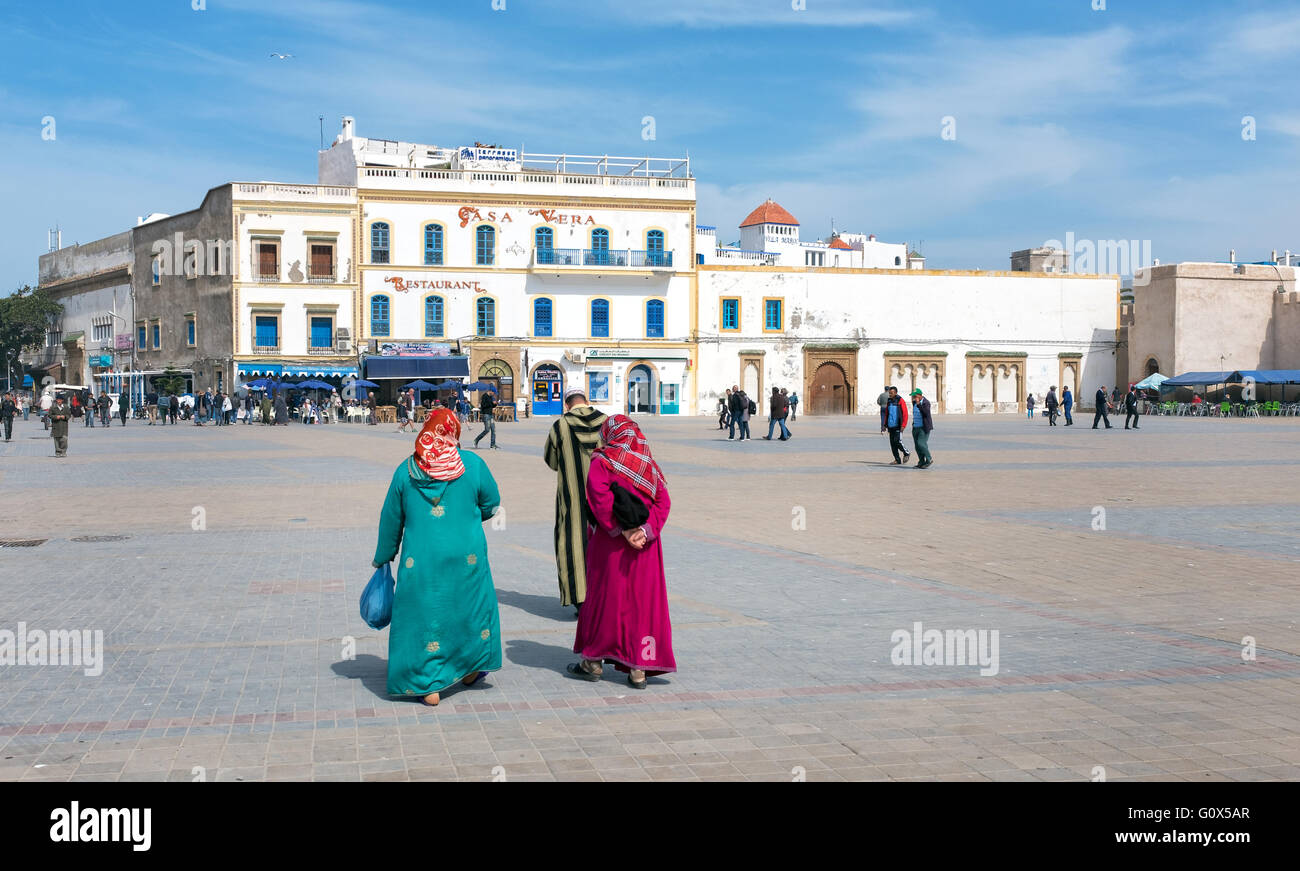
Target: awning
{"points": [[411, 368], [1267, 376], [1197, 379], [301, 370]]}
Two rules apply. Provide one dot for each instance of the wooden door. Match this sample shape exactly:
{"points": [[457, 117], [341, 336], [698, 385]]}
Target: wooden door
{"points": [[830, 390]]}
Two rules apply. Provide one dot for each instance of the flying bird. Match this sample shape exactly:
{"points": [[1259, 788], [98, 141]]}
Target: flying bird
{"points": [[281, 56]]}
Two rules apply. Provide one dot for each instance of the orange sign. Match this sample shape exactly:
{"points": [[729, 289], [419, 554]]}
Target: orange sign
{"points": [[550, 216]]}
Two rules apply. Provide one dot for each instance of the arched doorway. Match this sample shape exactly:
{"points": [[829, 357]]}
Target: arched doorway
{"points": [[499, 374], [1153, 366], [548, 389], [830, 390], [642, 389]]}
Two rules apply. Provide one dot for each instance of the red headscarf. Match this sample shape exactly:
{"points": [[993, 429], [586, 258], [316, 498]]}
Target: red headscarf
{"points": [[437, 446], [626, 452]]}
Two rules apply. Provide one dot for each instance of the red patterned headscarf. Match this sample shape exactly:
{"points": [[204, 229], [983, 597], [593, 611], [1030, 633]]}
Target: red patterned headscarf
{"points": [[437, 446], [626, 452]]}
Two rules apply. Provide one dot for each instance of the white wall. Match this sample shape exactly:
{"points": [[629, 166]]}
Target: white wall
{"points": [[1040, 315]]}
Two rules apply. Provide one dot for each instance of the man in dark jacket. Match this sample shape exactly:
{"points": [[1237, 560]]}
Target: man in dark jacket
{"points": [[486, 404], [105, 409], [922, 424], [123, 406], [1050, 402], [1131, 407], [1102, 407], [779, 408], [7, 411], [733, 409], [59, 414], [88, 407], [893, 419], [151, 406]]}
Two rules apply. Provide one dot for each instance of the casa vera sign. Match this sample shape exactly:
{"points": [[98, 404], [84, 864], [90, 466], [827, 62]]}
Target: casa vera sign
{"points": [[504, 216]]}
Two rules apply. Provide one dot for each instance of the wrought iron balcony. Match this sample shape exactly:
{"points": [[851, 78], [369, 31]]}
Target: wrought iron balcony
{"points": [[626, 258]]}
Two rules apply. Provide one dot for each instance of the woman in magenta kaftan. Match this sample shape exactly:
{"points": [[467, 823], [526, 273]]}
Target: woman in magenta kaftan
{"points": [[624, 619]]}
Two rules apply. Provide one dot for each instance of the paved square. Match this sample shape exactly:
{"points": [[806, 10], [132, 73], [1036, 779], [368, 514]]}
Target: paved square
{"points": [[791, 566]]}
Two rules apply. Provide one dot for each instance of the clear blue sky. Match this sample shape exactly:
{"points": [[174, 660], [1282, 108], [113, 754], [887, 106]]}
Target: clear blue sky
{"points": [[1117, 124]]}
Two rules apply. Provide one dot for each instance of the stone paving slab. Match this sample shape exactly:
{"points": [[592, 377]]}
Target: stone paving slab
{"points": [[233, 649]]}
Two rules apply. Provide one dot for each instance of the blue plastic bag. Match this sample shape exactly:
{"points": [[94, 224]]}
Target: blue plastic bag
{"points": [[377, 598]]}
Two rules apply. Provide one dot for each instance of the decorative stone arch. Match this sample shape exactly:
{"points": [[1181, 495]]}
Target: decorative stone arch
{"points": [[1070, 367], [754, 358], [993, 364], [910, 369]]}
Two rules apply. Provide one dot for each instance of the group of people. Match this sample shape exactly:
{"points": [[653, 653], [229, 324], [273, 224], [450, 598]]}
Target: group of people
{"points": [[895, 415], [736, 407], [1104, 404], [610, 510]]}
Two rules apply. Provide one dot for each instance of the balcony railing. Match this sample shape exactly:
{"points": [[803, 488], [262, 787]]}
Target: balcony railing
{"points": [[752, 256], [263, 278], [266, 349], [627, 258], [327, 350], [320, 279]]}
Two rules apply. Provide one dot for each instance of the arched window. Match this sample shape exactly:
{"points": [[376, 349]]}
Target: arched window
{"points": [[485, 245], [654, 248], [1153, 365], [898, 261], [599, 247], [432, 244], [379, 242], [542, 317], [600, 318], [379, 316], [544, 242], [654, 319], [433, 317], [487, 316]]}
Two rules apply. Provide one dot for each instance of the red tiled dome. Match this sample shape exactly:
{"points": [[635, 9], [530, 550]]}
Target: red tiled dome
{"points": [[840, 244], [769, 213]]}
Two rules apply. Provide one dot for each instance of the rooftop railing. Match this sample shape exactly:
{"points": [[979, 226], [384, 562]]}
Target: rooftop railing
{"points": [[628, 258]]}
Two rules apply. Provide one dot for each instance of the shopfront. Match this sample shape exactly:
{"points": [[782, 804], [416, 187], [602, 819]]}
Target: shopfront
{"points": [[547, 389], [637, 380]]}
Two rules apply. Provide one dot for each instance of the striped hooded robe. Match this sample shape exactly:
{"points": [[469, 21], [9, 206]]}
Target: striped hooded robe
{"points": [[568, 451]]}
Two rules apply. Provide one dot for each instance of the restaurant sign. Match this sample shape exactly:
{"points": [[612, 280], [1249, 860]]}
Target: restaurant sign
{"points": [[402, 285]]}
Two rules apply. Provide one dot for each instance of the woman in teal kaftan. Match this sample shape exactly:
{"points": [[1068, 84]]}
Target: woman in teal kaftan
{"points": [[445, 624]]}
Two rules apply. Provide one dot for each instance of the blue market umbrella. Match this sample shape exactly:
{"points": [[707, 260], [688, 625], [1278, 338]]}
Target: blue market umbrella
{"points": [[447, 385], [313, 384], [361, 382], [481, 385], [421, 385]]}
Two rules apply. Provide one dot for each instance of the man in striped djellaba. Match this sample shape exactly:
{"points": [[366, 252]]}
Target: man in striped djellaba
{"points": [[568, 451]]}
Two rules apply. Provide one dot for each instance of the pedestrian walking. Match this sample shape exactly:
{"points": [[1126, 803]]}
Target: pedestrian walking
{"points": [[404, 414], [893, 419], [487, 404], [266, 409], [373, 408], [249, 404], [105, 410], [151, 406], [569, 446], [794, 405], [1131, 407], [46, 403], [1067, 403], [626, 619], [724, 410], [1051, 402], [445, 626], [1029, 403], [27, 407], [748, 408], [778, 410], [88, 408], [59, 414], [733, 411], [123, 406], [922, 426], [281, 411], [1102, 406], [8, 408]]}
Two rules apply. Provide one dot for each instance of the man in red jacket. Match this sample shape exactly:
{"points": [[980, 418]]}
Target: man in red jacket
{"points": [[893, 419]]}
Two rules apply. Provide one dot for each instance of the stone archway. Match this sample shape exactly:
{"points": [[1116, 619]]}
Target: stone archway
{"points": [[845, 359], [925, 370], [995, 382], [830, 392], [1070, 366]]}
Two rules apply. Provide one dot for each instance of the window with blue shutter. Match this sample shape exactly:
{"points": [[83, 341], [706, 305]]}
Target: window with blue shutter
{"points": [[654, 319]]}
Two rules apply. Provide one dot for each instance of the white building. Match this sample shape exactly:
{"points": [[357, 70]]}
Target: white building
{"points": [[972, 341], [770, 236], [549, 271]]}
